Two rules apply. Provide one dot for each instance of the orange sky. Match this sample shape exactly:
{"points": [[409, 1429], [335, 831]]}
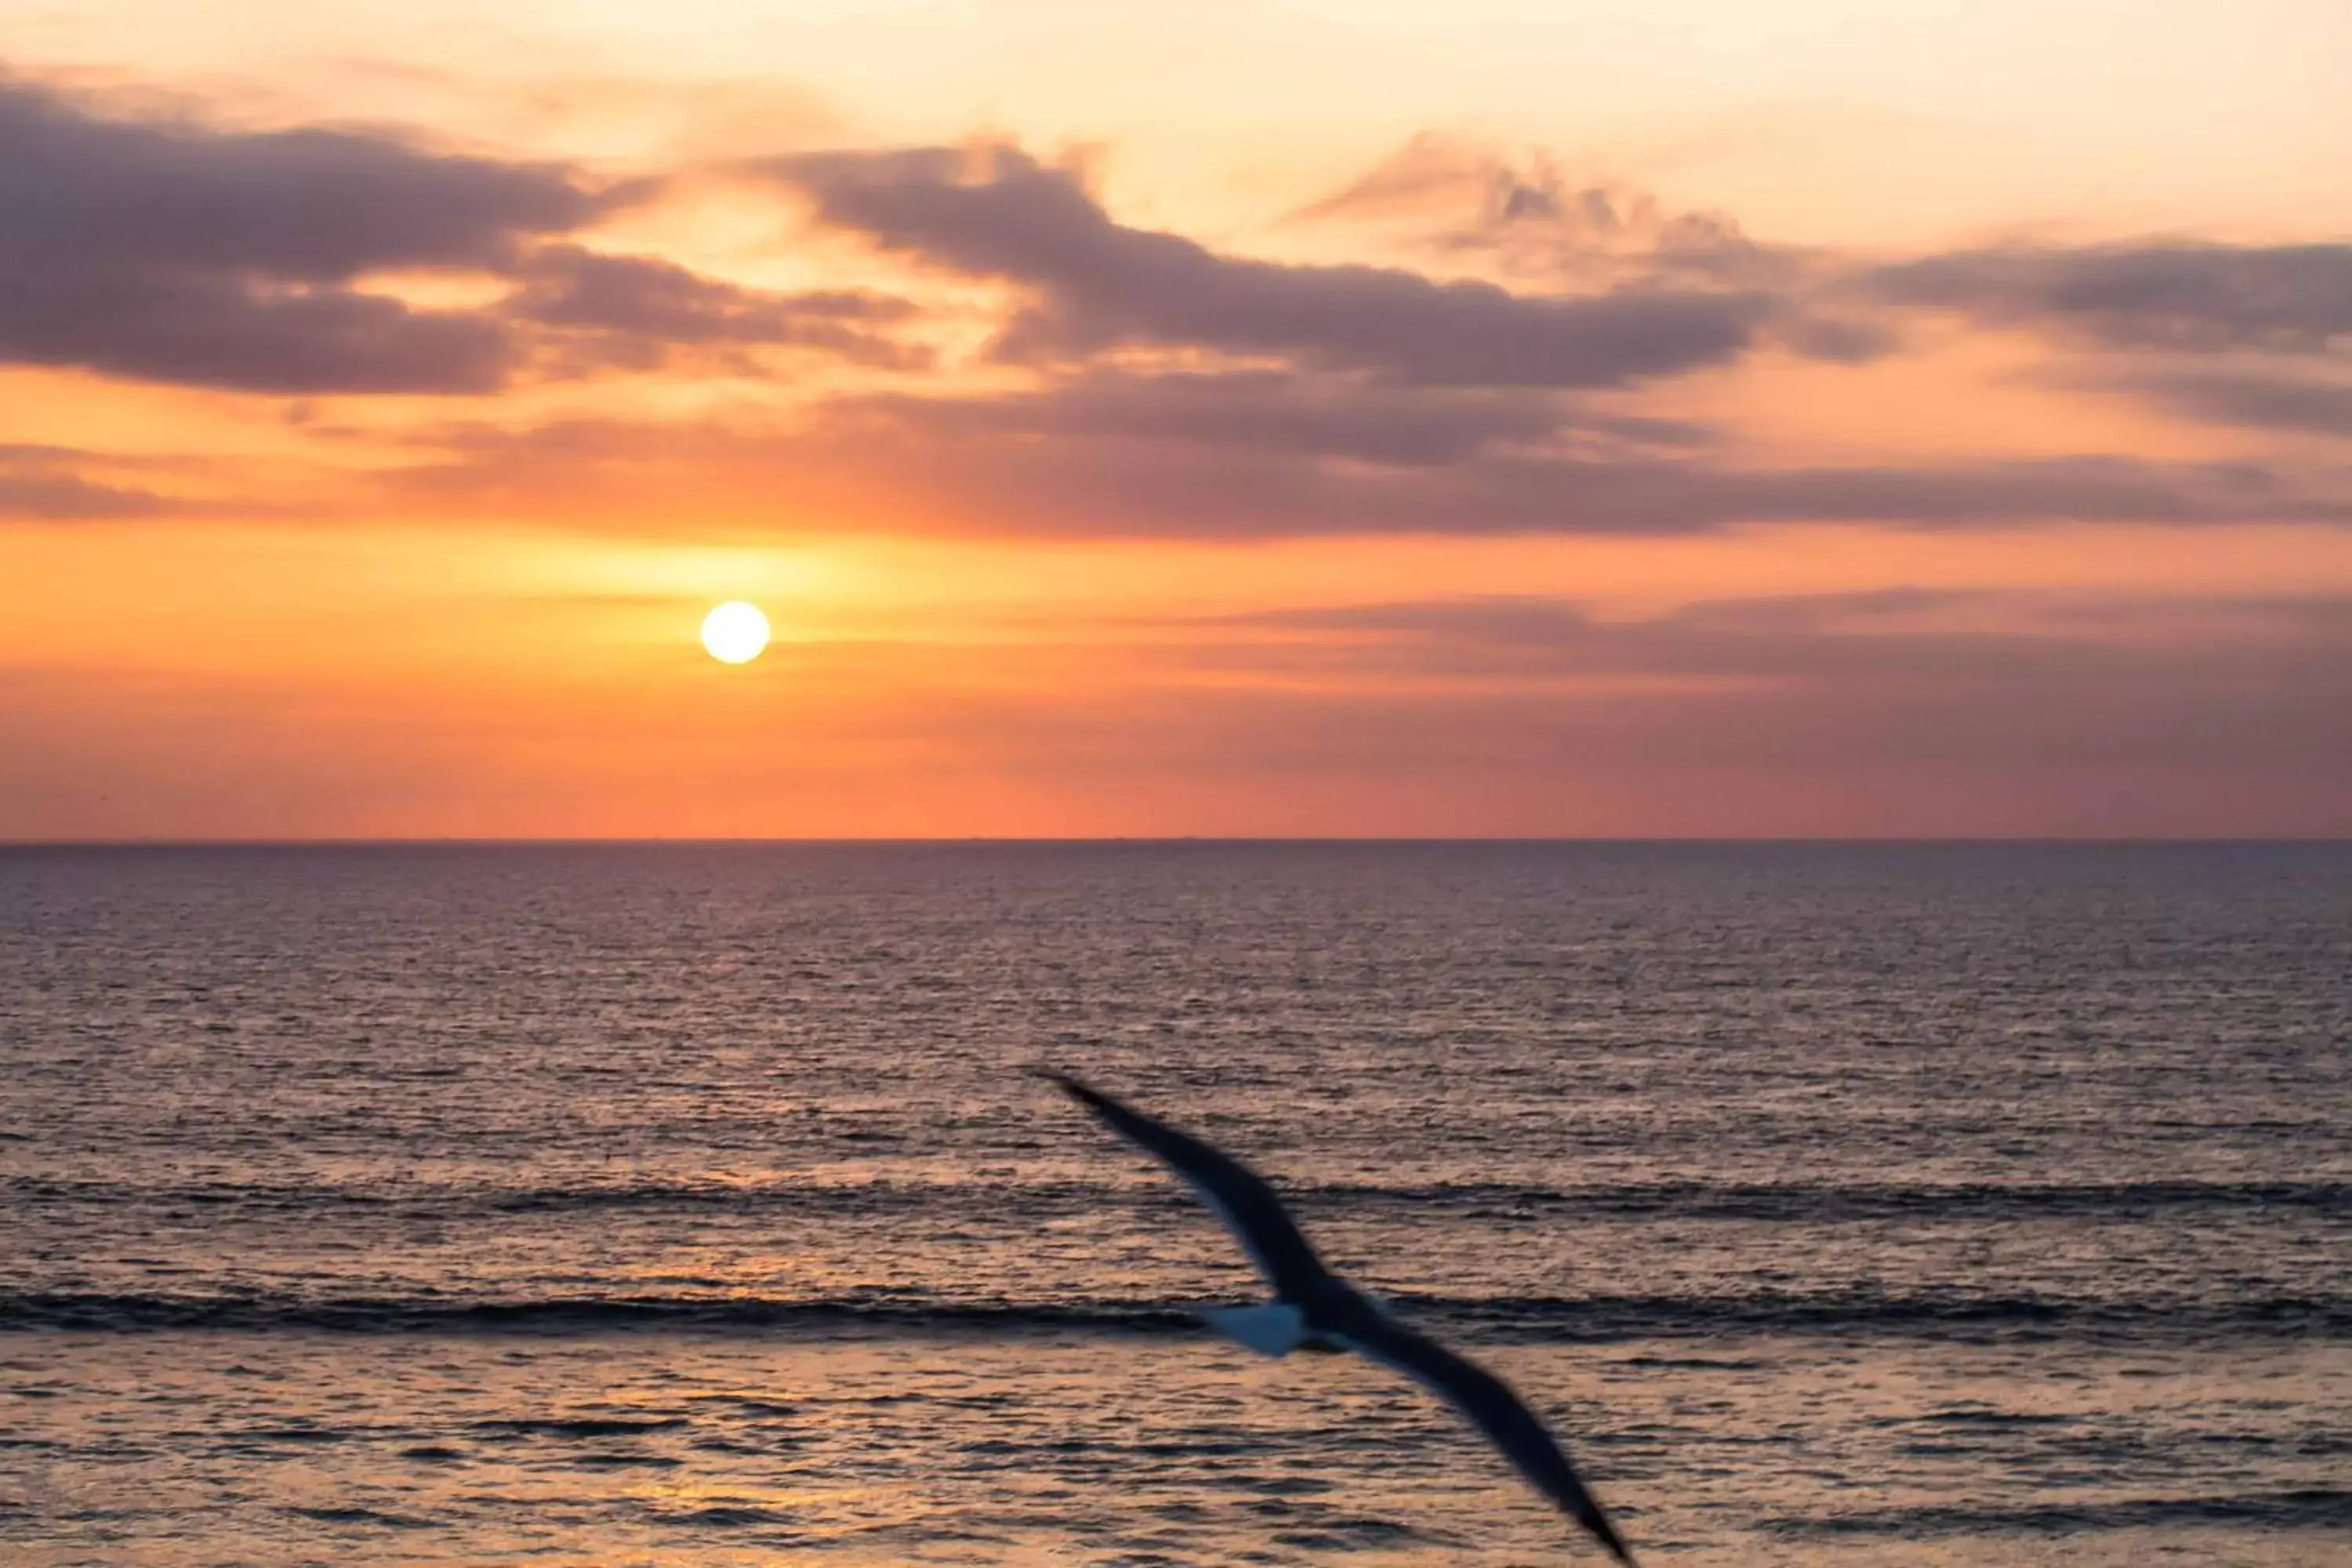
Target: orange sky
{"points": [[1840, 418]]}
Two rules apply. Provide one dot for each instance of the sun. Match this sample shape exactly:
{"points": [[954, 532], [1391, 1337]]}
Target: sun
{"points": [[735, 632]]}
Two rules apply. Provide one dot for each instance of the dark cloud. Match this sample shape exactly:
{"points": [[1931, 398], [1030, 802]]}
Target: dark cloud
{"points": [[1097, 479], [1165, 465], [637, 300], [166, 251], [63, 498], [209, 329], [1974, 638], [1844, 339], [1526, 218], [1275, 414], [1660, 498], [310, 205], [55, 484], [1456, 195], [2252, 401], [2286, 298], [994, 212]]}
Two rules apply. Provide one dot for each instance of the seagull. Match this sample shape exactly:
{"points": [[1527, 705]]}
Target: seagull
{"points": [[1314, 1308]]}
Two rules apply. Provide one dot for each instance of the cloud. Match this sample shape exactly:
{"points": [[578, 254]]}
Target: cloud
{"points": [[166, 251], [1223, 492], [52, 484], [1660, 497], [63, 498], [1921, 711], [1526, 218], [1155, 461], [994, 212], [1907, 713], [636, 301], [169, 252], [1251, 457], [2295, 299], [1458, 195], [1976, 639], [2259, 402], [312, 206], [1273, 414], [219, 330]]}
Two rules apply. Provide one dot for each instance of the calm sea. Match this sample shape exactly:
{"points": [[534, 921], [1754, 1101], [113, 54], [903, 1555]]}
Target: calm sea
{"points": [[690, 1206]]}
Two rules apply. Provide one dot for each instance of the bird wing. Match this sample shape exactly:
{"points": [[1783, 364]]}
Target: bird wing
{"points": [[1494, 1409], [1239, 1195]]}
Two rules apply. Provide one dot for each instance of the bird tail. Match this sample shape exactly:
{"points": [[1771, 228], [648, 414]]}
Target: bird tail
{"points": [[1275, 1329]]}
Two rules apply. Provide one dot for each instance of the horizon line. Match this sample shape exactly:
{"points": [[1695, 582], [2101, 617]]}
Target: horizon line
{"points": [[1166, 840]]}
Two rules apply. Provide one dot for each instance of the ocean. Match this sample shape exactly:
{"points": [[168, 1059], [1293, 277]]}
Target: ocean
{"points": [[695, 1205]]}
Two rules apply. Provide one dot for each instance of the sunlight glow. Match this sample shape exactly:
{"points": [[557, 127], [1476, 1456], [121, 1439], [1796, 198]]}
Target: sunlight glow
{"points": [[735, 633]]}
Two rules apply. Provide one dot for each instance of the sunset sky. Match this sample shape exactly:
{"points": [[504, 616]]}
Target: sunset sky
{"points": [[1822, 418]]}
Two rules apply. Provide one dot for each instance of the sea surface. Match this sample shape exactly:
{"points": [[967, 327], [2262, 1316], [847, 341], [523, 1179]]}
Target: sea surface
{"points": [[694, 1205]]}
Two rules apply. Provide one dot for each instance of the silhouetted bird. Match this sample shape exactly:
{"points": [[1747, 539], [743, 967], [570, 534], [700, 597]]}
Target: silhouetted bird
{"points": [[1314, 1308]]}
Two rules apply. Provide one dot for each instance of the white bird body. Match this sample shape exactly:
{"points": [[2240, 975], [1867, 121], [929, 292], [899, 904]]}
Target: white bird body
{"points": [[1272, 1328]]}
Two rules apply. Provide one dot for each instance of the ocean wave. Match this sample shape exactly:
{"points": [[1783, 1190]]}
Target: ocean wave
{"points": [[133, 1313], [1795, 1203], [2318, 1509], [1821, 1203], [1528, 1319]]}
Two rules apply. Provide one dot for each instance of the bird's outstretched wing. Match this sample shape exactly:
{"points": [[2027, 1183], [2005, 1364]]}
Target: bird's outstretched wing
{"points": [[1495, 1410], [1239, 1195]]}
